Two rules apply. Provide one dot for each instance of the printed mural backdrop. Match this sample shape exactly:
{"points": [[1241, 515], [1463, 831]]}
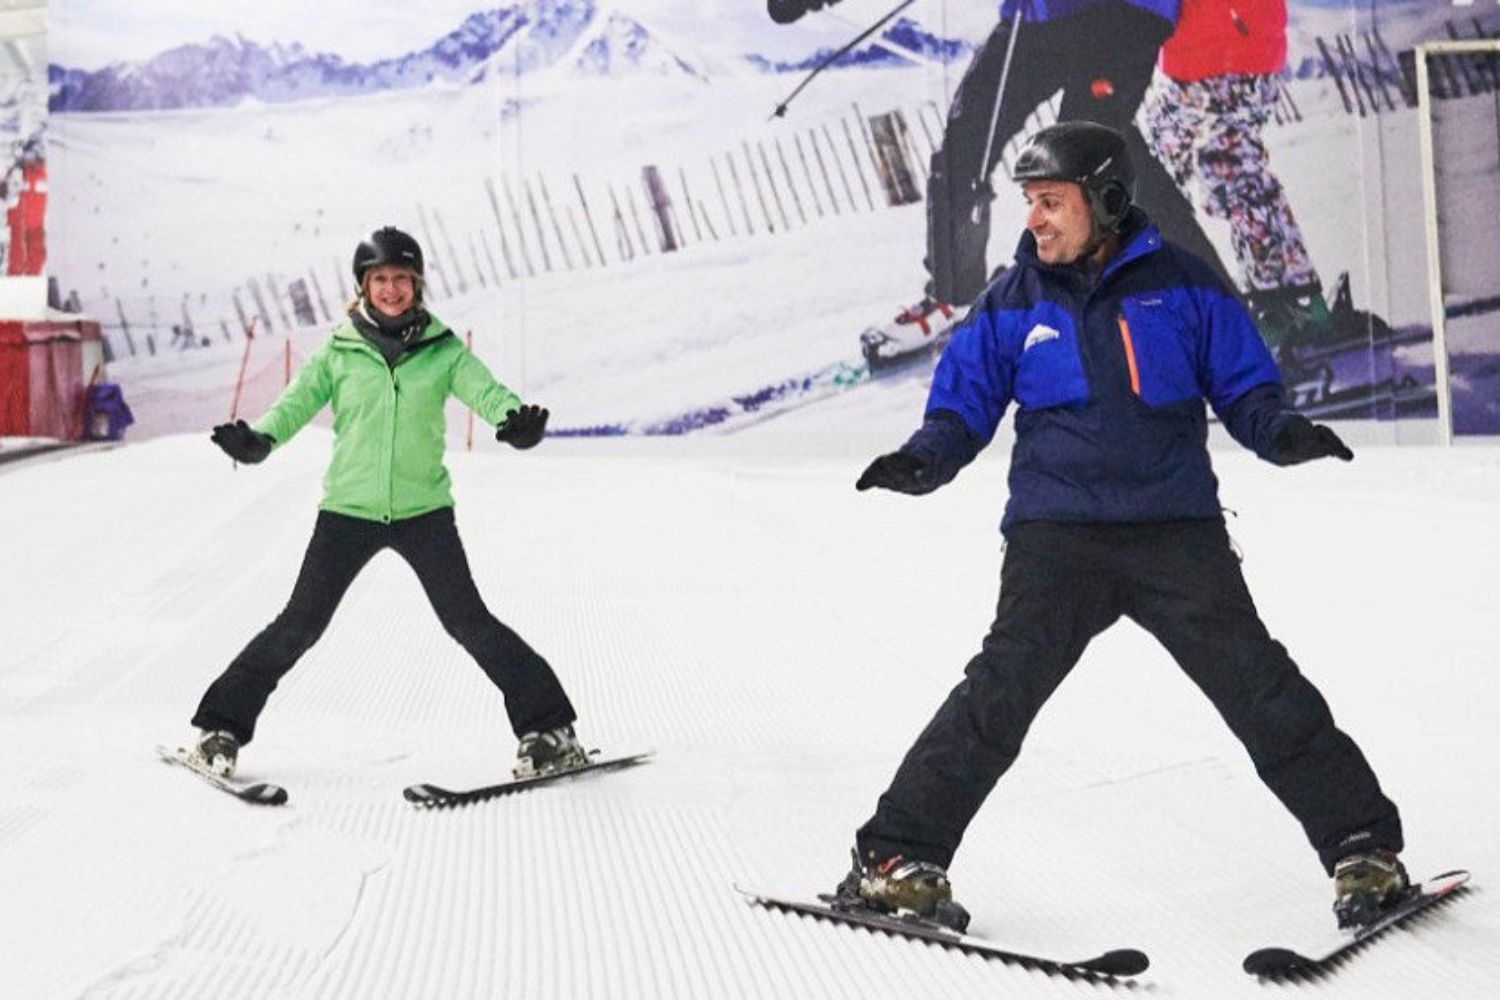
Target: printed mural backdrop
{"points": [[611, 208]]}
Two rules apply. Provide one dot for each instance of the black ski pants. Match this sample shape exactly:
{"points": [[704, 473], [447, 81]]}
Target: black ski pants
{"points": [[1102, 60], [1062, 584], [340, 548]]}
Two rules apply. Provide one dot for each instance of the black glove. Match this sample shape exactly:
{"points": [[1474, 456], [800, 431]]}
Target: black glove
{"points": [[902, 471], [523, 428], [241, 443], [1300, 440], [787, 11]]}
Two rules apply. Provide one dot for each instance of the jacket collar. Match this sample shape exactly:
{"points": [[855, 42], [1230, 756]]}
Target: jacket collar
{"points": [[1140, 237], [346, 335]]}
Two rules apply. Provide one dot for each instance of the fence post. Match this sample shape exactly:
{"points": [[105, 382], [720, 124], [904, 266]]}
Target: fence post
{"points": [[588, 217], [787, 172], [433, 260], [723, 196], [510, 267], [458, 271], [562, 244]]}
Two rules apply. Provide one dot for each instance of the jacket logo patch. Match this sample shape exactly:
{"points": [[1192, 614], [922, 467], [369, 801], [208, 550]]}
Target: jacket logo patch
{"points": [[1040, 334]]}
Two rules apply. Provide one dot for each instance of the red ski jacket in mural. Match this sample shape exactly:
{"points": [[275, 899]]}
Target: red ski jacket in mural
{"points": [[1219, 37]]}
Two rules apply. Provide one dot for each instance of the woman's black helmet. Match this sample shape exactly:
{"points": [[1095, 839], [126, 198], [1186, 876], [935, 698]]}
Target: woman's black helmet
{"points": [[387, 245], [1088, 154]]}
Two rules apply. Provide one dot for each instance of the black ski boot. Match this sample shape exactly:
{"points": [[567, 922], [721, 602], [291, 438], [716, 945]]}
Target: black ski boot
{"points": [[916, 328], [218, 751], [549, 751], [897, 885], [1365, 885]]}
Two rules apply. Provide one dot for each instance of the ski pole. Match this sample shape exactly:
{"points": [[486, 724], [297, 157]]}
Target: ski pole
{"points": [[780, 111], [1010, 49]]}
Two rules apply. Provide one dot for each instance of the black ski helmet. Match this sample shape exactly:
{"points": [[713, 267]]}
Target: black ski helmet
{"points": [[1088, 154], [387, 245]]}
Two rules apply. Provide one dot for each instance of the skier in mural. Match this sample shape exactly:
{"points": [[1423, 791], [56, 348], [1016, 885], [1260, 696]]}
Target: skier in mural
{"points": [[1101, 54], [388, 371], [26, 214], [1206, 118], [1109, 338]]}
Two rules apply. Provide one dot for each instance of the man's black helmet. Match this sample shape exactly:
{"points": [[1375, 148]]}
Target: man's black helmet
{"points": [[1090, 155], [387, 245]]}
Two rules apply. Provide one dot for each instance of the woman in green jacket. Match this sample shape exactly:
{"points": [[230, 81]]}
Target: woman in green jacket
{"points": [[387, 372]]}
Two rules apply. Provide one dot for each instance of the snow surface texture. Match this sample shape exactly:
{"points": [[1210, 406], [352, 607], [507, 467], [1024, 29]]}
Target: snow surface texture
{"points": [[779, 639]]}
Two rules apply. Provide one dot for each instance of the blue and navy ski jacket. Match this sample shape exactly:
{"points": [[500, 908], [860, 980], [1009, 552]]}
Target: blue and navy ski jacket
{"points": [[1109, 377], [1036, 11]]}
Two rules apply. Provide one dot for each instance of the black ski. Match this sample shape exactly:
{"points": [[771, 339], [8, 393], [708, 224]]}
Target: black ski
{"points": [[1113, 968], [1283, 963], [435, 797], [258, 793]]}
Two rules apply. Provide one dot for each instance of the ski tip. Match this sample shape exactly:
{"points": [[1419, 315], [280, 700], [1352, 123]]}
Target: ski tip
{"points": [[265, 795], [1274, 962], [1122, 962], [422, 795]]}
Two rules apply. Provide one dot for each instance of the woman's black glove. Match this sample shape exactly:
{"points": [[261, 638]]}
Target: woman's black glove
{"points": [[523, 428], [241, 443], [1300, 440]]}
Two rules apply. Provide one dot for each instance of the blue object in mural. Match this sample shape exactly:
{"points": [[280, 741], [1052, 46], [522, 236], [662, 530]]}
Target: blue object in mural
{"points": [[105, 413]]}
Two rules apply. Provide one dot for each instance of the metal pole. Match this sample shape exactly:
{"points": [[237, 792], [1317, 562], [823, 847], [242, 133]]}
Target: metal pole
{"points": [[1434, 253]]}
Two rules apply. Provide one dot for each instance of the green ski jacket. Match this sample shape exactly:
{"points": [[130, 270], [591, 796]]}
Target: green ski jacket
{"points": [[388, 425]]}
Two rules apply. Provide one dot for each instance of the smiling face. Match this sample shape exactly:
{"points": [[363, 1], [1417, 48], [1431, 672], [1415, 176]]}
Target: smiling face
{"points": [[1058, 216], [391, 290]]}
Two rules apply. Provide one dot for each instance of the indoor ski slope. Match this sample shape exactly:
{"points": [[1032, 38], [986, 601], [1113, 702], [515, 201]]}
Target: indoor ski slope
{"points": [[778, 639]]}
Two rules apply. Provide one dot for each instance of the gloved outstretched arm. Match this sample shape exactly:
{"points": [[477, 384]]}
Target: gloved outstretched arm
{"points": [[243, 443], [929, 459], [1297, 439], [523, 428]]}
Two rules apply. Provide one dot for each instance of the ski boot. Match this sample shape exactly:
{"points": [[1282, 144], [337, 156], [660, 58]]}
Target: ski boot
{"points": [[914, 328], [217, 750], [548, 752], [902, 887], [1365, 884], [1291, 317]]}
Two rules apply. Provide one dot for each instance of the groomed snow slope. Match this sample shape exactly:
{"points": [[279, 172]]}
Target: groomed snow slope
{"points": [[779, 640]]}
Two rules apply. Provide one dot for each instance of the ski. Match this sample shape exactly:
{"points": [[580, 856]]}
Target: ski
{"points": [[435, 797], [1113, 967], [1283, 963], [257, 793]]}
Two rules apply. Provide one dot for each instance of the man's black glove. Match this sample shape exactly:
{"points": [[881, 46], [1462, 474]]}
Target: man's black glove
{"points": [[1300, 440], [902, 471], [523, 428], [242, 443], [787, 11]]}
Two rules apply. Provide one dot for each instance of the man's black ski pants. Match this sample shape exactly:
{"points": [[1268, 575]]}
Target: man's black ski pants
{"points": [[1062, 584]]}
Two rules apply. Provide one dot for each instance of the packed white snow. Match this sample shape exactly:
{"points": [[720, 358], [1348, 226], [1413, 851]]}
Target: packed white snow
{"points": [[731, 602]]}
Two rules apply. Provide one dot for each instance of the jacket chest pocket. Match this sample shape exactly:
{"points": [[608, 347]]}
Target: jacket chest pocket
{"points": [[360, 386], [1049, 371], [1160, 347]]}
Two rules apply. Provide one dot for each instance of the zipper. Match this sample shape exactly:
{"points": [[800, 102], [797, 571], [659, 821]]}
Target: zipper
{"points": [[1129, 344]]}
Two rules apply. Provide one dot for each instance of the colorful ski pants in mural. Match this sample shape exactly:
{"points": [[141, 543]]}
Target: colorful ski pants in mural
{"points": [[340, 548], [1063, 584], [1102, 60], [1210, 131]]}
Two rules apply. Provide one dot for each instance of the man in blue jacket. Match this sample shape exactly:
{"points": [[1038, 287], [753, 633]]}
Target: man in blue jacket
{"points": [[1109, 339]]}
